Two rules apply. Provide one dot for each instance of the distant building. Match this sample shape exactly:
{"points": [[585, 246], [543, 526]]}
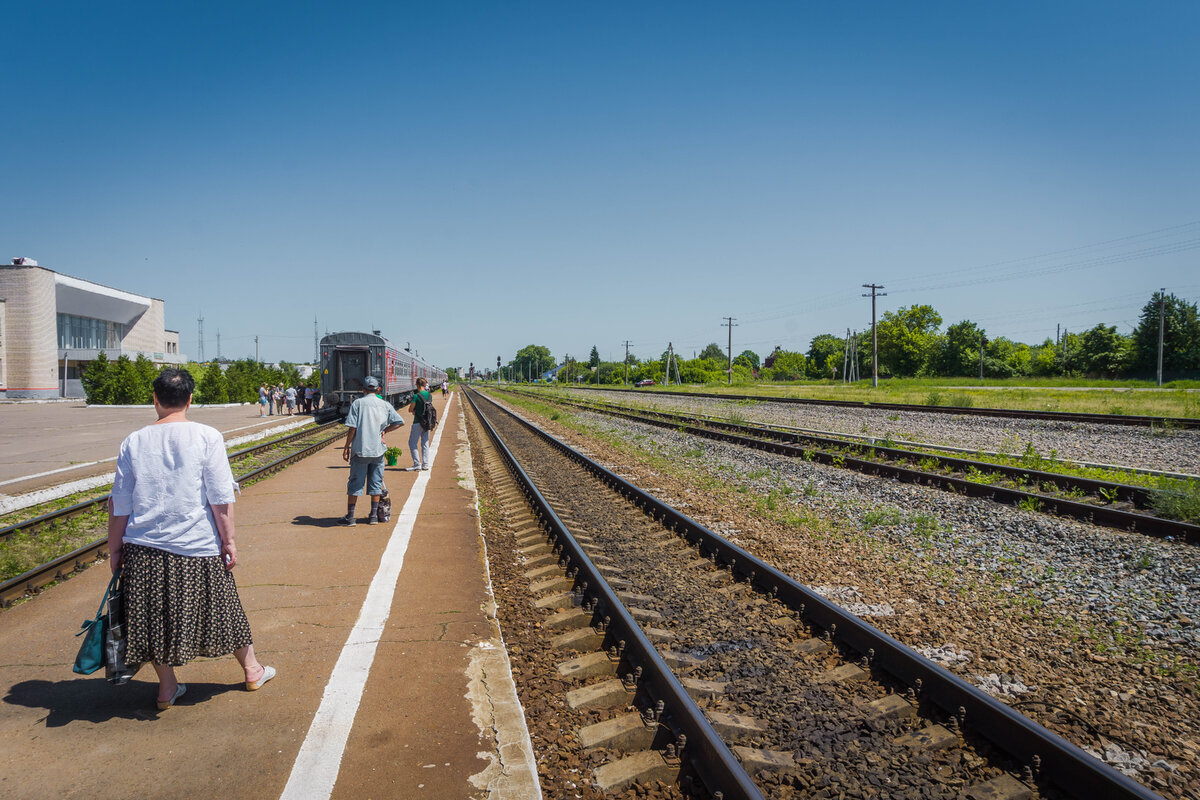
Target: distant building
{"points": [[53, 325]]}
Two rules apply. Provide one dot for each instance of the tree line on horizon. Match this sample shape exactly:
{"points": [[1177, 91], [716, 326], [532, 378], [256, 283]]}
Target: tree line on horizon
{"points": [[912, 343]]}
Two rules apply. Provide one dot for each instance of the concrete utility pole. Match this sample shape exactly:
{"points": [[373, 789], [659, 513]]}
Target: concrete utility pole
{"points": [[874, 334], [316, 345], [728, 323], [1162, 326], [627, 343], [200, 337], [256, 361], [218, 344]]}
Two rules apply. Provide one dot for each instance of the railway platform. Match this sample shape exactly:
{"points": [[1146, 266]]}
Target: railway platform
{"points": [[392, 676], [45, 444]]}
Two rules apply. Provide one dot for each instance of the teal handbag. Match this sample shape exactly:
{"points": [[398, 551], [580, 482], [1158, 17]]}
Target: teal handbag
{"points": [[91, 653]]}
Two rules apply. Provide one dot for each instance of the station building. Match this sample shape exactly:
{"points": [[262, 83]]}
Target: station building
{"points": [[53, 325]]}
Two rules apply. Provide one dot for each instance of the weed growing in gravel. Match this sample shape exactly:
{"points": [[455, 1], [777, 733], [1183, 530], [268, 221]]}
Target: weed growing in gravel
{"points": [[755, 474], [810, 490], [975, 476], [925, 525], [1029, 504], [882, 516], [809, 455], [893, 417], [1177, 499], [694, 452]]}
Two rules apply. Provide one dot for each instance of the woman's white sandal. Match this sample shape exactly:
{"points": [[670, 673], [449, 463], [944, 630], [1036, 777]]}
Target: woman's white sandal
{"points": [[268, 673], [163, 705]]}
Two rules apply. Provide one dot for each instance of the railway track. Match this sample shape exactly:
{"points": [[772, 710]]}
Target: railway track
{"points": [[1106, 503], [259, 461], [746, 681], [1059, 416]]}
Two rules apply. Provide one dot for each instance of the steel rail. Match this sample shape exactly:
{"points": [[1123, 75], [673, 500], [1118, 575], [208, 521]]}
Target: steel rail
{"points": [[1052, 758], [711, 758], [88, 505], [785, 443], [1059, 416], [32, 580], [872, 440]]}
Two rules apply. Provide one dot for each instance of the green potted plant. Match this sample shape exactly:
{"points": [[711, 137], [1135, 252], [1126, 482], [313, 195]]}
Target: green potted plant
{"points": [[391, 455]]}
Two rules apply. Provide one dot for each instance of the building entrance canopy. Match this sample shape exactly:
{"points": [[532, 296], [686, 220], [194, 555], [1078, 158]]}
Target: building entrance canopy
{"points": [[86, 299]]}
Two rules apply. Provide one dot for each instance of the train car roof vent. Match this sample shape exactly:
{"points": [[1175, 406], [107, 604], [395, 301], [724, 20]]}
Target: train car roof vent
{"points": [[377, 333]]}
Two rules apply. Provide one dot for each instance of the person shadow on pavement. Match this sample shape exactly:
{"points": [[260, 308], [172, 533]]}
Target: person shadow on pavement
{"points": [[317, 522], [95, 700]]}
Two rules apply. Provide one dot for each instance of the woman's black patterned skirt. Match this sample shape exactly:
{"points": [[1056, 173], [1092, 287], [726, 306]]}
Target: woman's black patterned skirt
{"points": [[179, 607]]}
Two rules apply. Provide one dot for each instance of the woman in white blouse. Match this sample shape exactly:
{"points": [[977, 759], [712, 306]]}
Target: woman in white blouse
{"points": [[171, 531]]}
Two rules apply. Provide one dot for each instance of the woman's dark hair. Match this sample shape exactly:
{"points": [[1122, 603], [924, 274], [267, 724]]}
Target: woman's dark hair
{"points": [[173, 387]]}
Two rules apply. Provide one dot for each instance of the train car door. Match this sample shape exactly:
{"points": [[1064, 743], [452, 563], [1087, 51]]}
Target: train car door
{"points": [[352, 370]]}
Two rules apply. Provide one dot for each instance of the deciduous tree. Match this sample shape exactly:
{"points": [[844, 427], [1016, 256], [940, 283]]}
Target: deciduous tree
{"points": [[1181, 336], [907, 338]]}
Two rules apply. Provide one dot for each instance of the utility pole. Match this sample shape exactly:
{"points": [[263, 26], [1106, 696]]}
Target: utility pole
{"points": [[627, 343], [256, 361], [728, 323], [670, 358], [200, 336], [874, 334], [316, 346], [1162, 326], [218, 344]]}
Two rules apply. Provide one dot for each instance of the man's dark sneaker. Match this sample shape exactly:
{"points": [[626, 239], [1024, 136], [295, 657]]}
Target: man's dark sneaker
{"points": [[373, 520], [347, 520]]}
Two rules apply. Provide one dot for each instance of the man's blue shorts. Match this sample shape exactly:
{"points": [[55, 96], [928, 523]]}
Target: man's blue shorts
{"points": [[369, 470]]}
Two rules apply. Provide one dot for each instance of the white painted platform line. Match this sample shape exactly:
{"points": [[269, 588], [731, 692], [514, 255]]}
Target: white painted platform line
{"points": [[316, 768]]}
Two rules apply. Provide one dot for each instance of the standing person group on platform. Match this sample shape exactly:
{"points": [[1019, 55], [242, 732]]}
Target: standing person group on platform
{"points": [[171, 535]]}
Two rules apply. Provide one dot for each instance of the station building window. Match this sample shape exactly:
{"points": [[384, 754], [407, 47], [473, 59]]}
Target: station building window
{"points": [[85, 333]]}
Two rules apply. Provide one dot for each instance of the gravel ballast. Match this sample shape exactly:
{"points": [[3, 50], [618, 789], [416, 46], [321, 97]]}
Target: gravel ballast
{"points": [[1169, 450], [1091, 632]]}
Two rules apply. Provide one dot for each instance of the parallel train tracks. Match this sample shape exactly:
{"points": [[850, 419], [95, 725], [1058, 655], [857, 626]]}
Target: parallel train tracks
{"points": [[294, 447], [746, 680], [1012, 413], [1106, 503]]}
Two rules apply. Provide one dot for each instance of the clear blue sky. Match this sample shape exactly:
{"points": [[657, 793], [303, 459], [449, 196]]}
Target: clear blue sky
{"points": [[475, 177]]}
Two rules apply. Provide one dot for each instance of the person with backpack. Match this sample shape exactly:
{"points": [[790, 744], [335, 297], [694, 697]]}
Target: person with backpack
{"points": [[424, 421]]}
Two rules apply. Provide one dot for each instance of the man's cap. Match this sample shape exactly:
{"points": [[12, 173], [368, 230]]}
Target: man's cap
{"points": [[371, 382]]}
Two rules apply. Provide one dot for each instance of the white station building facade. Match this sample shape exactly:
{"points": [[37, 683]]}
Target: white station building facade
{"points": [[52, 325]]}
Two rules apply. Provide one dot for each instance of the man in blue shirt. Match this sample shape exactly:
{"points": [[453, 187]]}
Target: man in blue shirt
{"points": [[369, 419]]}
